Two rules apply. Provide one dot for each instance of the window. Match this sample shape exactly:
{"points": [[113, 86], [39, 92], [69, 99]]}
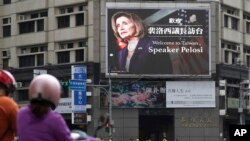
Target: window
{"points": [[68, 14], [70, 10], [7, 31], [231, 17], [63, 21], [226, 56], [6, 27], [32, 22], [23, 95], [225, 20], [75, 48], [230, 51], [31, 60], [40, 25], [234, 23], [31, 26], [40, 59], [79, 19], [43, 48], [4, 53], [80, 8], [231, 22], [44, 14], [79, 55], [23, 50], [247, 27], [6, 1], [234, 56], [6, 21], [27, 61], [62, 10], [70, 45], [34, 49], [246, 17], [32, 56], [82, 44], [33, 16], [63, 57], [5, 63], [66, 45], [27, 27]]}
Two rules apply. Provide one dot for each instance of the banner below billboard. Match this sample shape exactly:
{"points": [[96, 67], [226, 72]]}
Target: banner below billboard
{"points": [[142, 94], [158, 41], [187, 94]]}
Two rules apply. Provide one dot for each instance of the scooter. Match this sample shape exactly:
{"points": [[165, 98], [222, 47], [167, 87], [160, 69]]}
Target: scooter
{"points": [[82, 136]]}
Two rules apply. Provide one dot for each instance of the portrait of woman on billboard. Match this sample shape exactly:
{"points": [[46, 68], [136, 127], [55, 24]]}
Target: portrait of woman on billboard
{"points": [[134, 47], [158, 42]]}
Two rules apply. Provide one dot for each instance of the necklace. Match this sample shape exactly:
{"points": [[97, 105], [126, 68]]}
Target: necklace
{"points": [[132, 46]]}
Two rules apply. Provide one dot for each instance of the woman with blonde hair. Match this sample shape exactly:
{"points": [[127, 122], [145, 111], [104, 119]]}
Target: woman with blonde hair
{"points": [[135, 55]]}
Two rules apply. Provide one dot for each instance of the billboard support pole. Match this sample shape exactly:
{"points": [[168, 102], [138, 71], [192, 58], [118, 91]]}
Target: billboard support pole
{"points": [[110, 107], [109, 93]]}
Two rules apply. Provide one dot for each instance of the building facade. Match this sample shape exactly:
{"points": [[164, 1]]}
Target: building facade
{"points": [[53, 35]]}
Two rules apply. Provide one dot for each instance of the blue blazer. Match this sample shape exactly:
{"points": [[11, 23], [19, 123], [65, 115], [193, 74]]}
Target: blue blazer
{"points": [[144, 62]]}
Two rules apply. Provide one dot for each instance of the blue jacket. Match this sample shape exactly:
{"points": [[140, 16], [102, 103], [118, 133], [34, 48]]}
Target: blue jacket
{"points": [[144, 62]]}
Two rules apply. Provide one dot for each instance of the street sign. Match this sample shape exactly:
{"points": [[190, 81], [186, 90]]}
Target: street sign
{"points": [[37, 72], [79, 72], [80, 100], [77, 85], [79, 118]]}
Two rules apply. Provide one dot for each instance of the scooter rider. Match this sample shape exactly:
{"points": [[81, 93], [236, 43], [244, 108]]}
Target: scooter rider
{"points": [[37, 121], [8, 107]]}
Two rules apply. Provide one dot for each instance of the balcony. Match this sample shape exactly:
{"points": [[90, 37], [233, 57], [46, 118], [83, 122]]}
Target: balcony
{"points": [[31, 38], [70, 33], [67, 2], [21, 6]]}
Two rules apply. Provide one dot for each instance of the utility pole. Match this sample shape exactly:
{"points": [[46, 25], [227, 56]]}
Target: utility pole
{"points": [[110, 107], [109, 93], [244, 89], [241, 111]]}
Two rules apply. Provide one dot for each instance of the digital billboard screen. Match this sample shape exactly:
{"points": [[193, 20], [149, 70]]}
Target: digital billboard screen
{"points": [[140, 94], [165, 42]]}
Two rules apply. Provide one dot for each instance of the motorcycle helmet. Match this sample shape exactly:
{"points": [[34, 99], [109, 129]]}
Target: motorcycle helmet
{"points": [[8, 81], [47, 88]]}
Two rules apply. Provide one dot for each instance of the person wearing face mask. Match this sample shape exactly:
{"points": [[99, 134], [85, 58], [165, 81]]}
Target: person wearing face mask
{"points": [[134, 55]]}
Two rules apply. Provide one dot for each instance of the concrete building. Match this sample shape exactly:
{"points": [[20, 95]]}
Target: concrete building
{"points": [[53, 35]]}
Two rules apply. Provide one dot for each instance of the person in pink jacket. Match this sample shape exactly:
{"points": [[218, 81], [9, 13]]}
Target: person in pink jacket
{"points": [[37, 121]]}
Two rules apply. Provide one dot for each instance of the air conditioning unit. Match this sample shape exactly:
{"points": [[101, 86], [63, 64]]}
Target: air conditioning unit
{"points": [[8, 53], [62, 46], [237, 60], [62, 11], [6, 21], [19, 84], [21, 17], [222, 112], [237, 47]]}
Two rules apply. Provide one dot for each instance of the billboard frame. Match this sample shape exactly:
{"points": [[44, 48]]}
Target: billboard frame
{"points": [[134, 6]]}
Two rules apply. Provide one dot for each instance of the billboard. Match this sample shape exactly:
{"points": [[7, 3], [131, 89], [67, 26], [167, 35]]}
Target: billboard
{"points": [[142, 94], [187, 94], [157, 41]]}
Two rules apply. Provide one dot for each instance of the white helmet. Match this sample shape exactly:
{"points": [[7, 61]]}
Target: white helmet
{"points": [[45, 87]]}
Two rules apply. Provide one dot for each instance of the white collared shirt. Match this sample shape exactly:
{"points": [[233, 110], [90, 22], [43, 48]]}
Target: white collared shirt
{"points": [[131, 49]]}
